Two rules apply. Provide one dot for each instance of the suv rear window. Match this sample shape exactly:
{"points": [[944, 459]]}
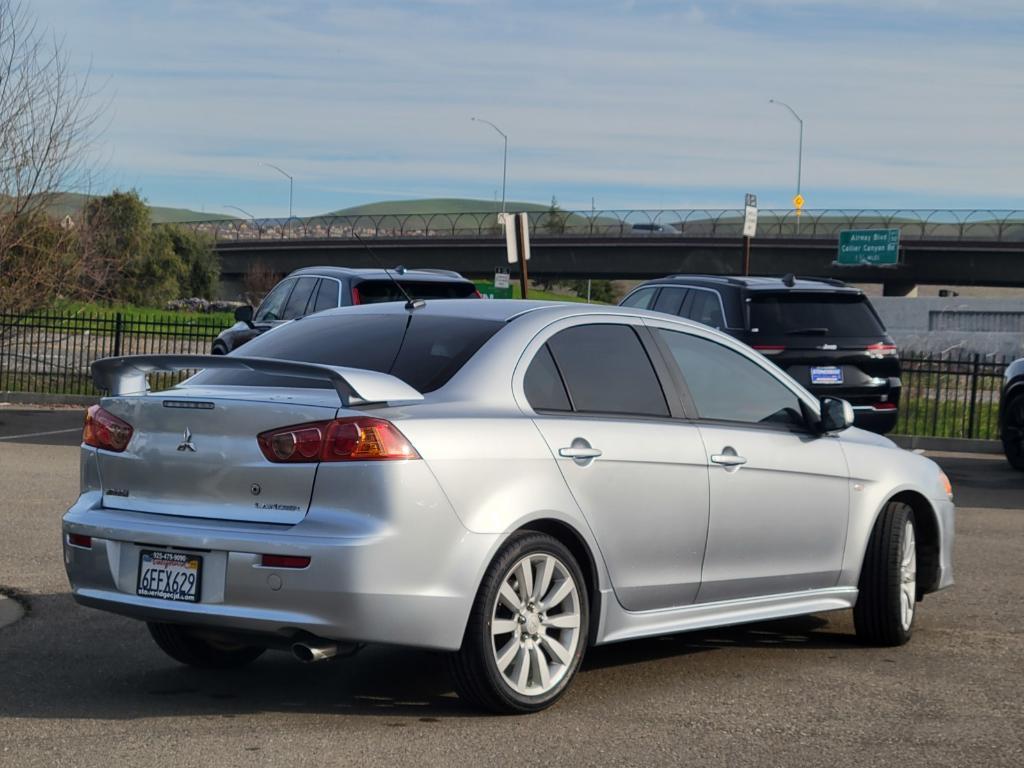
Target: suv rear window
{"points": [[423, 351], [376, 291], [813, 314]]}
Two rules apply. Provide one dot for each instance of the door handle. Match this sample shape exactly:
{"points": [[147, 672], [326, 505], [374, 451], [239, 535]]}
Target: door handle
{"points": [[728, 459], [578, 452]]}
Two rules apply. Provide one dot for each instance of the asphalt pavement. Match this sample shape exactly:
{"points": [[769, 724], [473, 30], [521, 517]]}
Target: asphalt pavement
{"points": [[84, 688]]}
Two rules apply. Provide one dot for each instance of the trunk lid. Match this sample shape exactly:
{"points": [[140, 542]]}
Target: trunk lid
{"points": [[194, 453]]}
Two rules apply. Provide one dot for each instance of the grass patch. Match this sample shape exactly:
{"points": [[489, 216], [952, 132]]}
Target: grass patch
{"points": [[927, 417], [132, 312]]}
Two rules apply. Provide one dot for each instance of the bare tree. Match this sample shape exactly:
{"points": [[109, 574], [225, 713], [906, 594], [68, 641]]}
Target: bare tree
{"points": [[48, 116]]}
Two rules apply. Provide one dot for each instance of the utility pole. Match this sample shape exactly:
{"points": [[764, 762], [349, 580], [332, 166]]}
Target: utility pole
{"points": [[504, 162], [291, 184]]}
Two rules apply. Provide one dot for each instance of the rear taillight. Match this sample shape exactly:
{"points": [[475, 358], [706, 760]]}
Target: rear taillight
{"points": [[884, 406], [104, 430], [356, 298], [881, 350], [769, 349], [356, 439]]}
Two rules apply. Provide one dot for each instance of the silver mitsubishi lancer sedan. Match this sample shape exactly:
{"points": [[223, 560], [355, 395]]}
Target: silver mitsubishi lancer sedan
{"points": [[507, 481]]}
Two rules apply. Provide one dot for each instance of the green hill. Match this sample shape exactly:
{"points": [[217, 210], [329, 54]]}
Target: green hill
{"points": [[70, 203], [435, 205]]}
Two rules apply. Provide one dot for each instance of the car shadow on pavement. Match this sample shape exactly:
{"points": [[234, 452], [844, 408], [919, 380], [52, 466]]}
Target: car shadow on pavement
{"points": [[64, 661]]}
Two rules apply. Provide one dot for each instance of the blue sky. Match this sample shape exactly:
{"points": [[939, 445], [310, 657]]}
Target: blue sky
{"points": [[906, 103]]}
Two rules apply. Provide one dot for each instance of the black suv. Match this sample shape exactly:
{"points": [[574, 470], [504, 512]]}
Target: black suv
{"points": [[313, 289], [1011, 414], [824, 333]]}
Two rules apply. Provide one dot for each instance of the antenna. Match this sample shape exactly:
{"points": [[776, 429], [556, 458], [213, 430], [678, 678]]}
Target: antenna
{"points": [[410, 302]]}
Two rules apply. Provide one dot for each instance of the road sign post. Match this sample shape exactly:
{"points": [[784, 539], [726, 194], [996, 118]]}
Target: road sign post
{"points": [[868, 247], [749, 229]]}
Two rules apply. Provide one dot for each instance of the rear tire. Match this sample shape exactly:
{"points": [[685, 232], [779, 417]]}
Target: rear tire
{"points": [[528, 628], [1013, 432], [184, 645], [887, 599]]}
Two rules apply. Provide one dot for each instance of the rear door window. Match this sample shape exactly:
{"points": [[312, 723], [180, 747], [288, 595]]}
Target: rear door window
{"points": [[814, 314], [706, 308], [606, 370], [670, 301], [641, 299], [326, 296], [543, 384], [296, 306]]}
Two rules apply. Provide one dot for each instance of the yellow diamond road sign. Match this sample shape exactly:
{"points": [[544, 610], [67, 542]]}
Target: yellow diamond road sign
{"points": [[798, 202]]}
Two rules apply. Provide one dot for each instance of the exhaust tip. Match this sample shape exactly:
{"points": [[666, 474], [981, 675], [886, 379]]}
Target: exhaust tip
{"points": [[314, 650]]}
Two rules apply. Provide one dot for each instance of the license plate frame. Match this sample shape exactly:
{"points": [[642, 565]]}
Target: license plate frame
{"points": [[178, 566], [826, 374]]}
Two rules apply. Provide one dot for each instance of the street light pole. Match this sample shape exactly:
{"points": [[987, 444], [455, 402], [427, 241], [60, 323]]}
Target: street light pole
{"points": [[800, 146], [240, 210], [504, 164], [291, 184]]}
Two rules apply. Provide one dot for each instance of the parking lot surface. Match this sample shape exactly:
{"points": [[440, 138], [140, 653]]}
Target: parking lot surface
{"points": [[80, 687]]}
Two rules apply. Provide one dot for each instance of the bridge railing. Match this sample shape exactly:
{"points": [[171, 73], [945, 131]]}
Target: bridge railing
{"points": [[914, 224]]}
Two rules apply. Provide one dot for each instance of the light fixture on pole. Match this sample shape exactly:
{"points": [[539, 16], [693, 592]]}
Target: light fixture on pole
{"points": [[504, 165], [240, 210], [291, 184], [798, 200]]}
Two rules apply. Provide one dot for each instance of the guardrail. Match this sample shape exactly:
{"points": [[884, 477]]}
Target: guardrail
{"points": [[972, 225], [50, 353]]}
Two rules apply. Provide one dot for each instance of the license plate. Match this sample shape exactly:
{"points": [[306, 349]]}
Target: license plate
{"points": [[169, 576], [827, 374]]}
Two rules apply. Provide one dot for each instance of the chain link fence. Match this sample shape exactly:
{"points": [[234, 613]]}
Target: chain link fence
{"points": [[971, 225]]}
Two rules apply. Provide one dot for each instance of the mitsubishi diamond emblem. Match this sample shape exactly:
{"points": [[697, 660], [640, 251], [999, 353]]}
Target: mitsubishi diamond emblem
{"points": [[186, 443]]}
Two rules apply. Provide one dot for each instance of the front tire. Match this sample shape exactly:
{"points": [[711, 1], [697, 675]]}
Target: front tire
{"points": [[528, 629], [887, 600], [195, 650], [1013, 432]]}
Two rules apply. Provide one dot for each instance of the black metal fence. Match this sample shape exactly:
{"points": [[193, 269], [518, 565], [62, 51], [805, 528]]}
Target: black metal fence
{"points": [[952, 395], [50, 352], [47, 352]]}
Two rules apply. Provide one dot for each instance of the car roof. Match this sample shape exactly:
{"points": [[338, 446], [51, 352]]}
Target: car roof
{"points": [[399, 273], [759, 283], [502, 310]]}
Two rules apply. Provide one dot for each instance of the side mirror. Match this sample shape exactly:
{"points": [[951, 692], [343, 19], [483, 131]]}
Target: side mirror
{"points": [[836, 415], [243, 314]]}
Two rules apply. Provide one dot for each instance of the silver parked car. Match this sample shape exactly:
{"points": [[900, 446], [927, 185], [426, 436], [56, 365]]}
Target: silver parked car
{"points": [[509, 481]]}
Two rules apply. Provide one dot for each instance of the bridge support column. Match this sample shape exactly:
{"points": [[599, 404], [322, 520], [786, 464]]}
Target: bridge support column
{"points": [[899, 288]]}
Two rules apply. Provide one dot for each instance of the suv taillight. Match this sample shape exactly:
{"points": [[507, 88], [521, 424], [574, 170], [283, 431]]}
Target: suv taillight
{"points": [[104, 430], [769, 349], [361, 438], [880, 350]]}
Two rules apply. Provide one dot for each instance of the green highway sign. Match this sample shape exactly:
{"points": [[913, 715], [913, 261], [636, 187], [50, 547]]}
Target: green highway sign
{"points": [[489, 291], [873, 247]]}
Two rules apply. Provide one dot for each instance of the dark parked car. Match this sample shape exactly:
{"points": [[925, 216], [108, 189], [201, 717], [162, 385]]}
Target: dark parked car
{"points": [[822, 332], [313, 289], [1011, 414]]}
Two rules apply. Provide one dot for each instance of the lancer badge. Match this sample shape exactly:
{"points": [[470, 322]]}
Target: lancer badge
{"points": [[186, 443]]}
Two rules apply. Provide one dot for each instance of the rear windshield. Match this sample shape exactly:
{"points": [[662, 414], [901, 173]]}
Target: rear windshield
{"points": [[376, 291], [423, 351], [813, 314]]}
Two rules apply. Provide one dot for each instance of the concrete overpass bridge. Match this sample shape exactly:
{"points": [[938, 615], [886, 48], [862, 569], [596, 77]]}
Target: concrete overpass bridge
{"points": [[952, 247]]}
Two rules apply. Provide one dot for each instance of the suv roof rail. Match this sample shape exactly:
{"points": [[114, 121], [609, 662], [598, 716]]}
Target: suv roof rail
{"points": [[721, 278], [447, 272]]}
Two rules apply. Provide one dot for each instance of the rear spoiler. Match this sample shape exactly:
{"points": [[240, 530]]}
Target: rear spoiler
{"points": [[127, 375]]}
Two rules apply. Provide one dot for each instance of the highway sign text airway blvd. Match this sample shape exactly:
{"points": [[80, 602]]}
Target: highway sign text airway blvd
{"points": [[875, 247]]}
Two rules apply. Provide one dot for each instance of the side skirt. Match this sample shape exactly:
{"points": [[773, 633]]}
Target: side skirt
{"points": [[618, 624]]}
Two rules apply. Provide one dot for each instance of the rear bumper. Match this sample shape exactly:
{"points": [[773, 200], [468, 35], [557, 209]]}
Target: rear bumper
{"points": [[377, 588], [880, 421]]}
